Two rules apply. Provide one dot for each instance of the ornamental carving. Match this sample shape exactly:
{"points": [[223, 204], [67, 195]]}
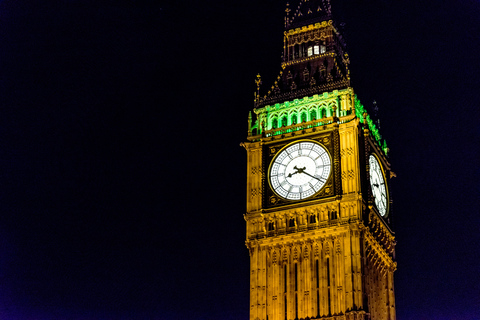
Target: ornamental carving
{"points": [[327, 250], [346, 152], [257, 170], [337, 248], [255, 192], [285, 256], [348, 175], [273, 199], [305, 253], [316, 251], [274, 257], [295, 254]]}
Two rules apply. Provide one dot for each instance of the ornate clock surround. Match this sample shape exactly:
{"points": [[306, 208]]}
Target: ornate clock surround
{"points": [[329, 140]]}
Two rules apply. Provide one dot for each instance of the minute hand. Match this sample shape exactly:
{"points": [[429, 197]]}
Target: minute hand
{"points": [[308, 174]]}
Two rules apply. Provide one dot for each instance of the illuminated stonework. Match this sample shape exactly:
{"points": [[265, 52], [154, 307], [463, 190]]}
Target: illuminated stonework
{"points": [[329, 254]]}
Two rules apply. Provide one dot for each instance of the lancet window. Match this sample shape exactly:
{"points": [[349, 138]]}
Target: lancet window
{"points": [[323, 112], [291, 223], [271, 226], [274, 123], [304, 117], [294, 118]]}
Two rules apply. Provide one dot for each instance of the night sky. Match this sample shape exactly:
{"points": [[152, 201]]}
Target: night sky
{"points": [[123, 185]]}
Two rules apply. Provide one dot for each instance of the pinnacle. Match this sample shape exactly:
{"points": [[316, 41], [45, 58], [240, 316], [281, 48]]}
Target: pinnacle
{"points": [[307, 12]]}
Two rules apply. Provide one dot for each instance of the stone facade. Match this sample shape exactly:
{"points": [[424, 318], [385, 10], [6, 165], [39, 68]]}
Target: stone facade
{"points": [[330, 255]]}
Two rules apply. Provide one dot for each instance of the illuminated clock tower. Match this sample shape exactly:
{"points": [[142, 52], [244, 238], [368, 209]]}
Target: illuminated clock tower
{"points": [[318, 208]]}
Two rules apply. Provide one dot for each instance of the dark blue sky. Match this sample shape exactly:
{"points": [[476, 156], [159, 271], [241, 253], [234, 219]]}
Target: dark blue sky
{"points": [[123, 183]]}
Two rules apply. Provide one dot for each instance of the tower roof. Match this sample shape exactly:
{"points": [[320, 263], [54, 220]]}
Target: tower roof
{"points": [[314, 58], [307, 12]]}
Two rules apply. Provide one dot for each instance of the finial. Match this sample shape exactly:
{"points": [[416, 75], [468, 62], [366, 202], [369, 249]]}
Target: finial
{"points": [[287, 15], [258, 82]]}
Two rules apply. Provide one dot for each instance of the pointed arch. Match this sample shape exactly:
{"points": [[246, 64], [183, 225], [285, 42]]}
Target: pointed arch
{"points": [[274, 123], [293, 118]]}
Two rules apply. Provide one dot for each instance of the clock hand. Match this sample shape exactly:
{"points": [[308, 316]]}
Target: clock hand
{"points": [[299, 170], [308, 174], [291, 174]]}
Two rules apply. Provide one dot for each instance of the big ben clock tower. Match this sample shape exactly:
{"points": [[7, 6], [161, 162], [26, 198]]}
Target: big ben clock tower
{"points": [[318, 209]]}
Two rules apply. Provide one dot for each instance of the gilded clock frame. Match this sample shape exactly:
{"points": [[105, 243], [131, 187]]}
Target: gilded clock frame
{"points": [[328, 142], [287, 146]]}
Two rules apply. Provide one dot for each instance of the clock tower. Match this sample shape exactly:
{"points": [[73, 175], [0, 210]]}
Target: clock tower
{"points": [[318, 208]]}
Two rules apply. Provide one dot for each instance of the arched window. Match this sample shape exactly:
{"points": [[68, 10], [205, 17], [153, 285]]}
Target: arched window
{"points": [[333, 215], [284, 121], [271, 226], [291, 222], [274, 123], [313, 218], [324, 113], [294, 118], [304, 117], [313, 115]]}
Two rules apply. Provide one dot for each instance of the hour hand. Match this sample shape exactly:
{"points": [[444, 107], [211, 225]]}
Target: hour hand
{"points": [[298, 171], [291, 174]]}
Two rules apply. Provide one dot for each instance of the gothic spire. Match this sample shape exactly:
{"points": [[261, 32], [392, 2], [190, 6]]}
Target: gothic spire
{"points": [[314, 57]]}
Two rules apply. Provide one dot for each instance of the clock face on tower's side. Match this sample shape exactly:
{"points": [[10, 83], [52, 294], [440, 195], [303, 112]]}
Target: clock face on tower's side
{"points": [[299, 170], [377, 183]]}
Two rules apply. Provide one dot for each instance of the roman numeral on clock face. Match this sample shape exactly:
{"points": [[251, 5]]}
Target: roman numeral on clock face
{"points": [[300, 170]]}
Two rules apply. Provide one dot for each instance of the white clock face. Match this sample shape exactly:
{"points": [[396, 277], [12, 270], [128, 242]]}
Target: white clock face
{"points": [[377, 182], [300, 170]]}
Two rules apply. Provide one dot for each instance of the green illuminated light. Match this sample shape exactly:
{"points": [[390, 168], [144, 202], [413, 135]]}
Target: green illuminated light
{"points": [[294, 115], [359, 112]]}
